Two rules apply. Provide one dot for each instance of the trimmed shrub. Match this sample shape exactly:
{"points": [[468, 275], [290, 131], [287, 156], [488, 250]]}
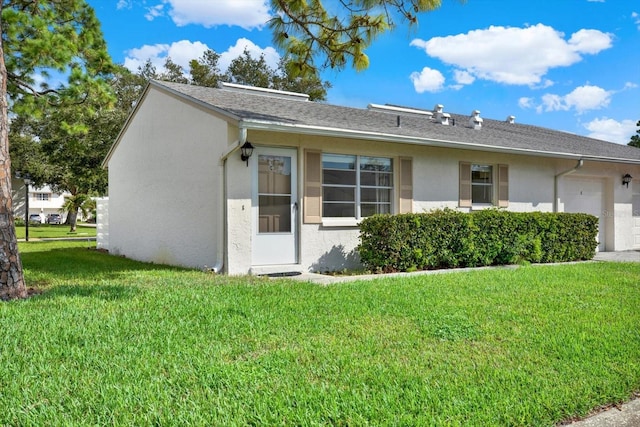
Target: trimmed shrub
{"points": [[448, 238]]}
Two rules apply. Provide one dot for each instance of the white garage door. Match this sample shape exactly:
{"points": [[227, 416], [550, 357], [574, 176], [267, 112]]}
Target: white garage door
{"points": [[585, 195], [636, 214]]}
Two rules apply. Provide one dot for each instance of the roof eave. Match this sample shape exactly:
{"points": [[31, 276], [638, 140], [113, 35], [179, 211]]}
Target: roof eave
{"points": [[387, 137]]}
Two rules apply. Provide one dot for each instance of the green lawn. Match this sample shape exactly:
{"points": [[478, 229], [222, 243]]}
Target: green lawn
{"points": [[111, 341], [54, 231]]}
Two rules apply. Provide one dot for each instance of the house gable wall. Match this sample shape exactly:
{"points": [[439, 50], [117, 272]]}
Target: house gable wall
{"points": [[164, 188]]}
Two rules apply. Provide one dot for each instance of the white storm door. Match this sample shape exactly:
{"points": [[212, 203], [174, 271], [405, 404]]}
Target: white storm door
{"points": [[274, 207]]}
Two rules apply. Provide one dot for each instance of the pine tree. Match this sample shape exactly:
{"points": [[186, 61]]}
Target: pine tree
{"points": [[61, 36]]}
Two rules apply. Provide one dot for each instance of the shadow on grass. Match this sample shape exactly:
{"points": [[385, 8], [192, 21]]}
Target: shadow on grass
{"points": [[103, 292], [79, 271]]}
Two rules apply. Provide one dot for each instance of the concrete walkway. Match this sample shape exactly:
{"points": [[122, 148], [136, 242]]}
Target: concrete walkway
{"points": [[324, 279], [626, 415], [621, 256]]}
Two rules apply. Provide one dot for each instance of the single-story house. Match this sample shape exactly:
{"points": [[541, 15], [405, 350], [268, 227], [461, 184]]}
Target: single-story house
{"points": [[184, 189]]}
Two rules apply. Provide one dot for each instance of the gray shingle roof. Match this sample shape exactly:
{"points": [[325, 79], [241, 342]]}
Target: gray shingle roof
{"points": [[495, 134]]}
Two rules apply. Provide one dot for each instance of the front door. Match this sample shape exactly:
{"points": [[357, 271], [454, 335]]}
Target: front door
{"points": [[274, 206]]}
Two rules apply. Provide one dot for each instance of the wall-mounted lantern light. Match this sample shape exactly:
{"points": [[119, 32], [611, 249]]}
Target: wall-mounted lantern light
{"points": [[626, 179], [247, 151]]}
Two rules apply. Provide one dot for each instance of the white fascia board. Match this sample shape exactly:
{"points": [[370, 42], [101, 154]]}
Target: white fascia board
{"points": [[385, 137]]}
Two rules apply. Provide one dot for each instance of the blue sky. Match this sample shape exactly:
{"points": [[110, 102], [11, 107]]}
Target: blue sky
{"points": [[570, 65]]}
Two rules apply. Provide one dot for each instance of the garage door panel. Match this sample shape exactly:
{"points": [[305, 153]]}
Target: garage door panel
{"points": [[586, 195]]}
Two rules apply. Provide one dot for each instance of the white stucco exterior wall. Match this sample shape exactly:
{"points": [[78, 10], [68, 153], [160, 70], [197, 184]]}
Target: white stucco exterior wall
{"points": [[435, 186], [164, 190], [239, 231], [170, 191]]}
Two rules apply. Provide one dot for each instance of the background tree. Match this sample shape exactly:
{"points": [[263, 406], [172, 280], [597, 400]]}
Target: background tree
{"points": [[148, 71], [310, 84], [205, 70], [78, 203], [173, 72], [307, 30], [37, 38], [247, 70], [635, 139], [64, 147], [127, 87]]}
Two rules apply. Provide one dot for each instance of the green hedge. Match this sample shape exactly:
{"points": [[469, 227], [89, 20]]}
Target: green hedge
{"points": [[448, 238]]}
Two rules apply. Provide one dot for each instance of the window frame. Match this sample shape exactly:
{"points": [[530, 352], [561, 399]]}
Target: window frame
{"points": [[491, 185], [499, 185], [358, 188]]}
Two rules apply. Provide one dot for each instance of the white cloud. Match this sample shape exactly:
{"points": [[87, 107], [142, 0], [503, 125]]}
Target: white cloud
{"points": [[545, 84], [636, 19], [588, 97], [154, 12], [581, 99], [247, 14], [611, 130], [590, 41], [428, 80], [553, 102], [137, 57], [463, 77], [180, 52], [516, 56], [525, 102], [183, 51], [271, 56]]}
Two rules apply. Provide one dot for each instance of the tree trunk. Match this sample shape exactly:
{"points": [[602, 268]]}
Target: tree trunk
{"points": [[11, 278], [72, 219]]}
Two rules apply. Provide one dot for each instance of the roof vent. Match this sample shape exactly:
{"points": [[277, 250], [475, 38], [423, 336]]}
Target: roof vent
{"points": [[263, 91], [441, 116], [395, 109], [475, 121], [511, 119]]}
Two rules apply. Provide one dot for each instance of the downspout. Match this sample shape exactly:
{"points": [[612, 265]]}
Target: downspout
{"points": [[556, 179], [222, 210]]}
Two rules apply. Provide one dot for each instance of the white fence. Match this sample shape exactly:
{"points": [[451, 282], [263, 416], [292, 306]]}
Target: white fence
{"points": [[102, 240]]}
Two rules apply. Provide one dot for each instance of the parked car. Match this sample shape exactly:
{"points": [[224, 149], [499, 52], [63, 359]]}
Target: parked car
{"points": [[35, 219], [54, 218]]}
